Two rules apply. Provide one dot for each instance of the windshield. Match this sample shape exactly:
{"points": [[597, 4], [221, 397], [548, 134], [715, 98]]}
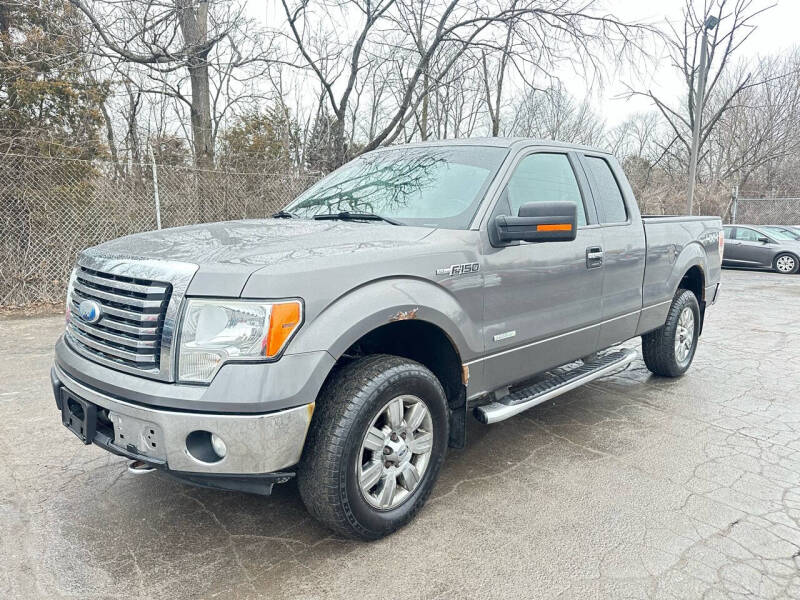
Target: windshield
{"points": [[779, 233], [435, 186]]}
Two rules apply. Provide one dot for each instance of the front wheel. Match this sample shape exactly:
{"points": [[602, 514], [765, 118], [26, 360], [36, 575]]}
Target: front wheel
{"points": [[375, 446], [786, 264], [668, 351]]}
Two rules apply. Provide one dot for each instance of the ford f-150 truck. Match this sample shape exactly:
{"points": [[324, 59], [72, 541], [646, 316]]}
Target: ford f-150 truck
{"points": [[346, 340]]}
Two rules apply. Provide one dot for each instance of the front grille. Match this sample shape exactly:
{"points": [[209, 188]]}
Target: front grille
{"points": [[132, 317]]}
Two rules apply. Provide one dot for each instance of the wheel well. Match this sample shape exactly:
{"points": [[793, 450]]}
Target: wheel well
{"points": [[694, 280], [421, 341]]}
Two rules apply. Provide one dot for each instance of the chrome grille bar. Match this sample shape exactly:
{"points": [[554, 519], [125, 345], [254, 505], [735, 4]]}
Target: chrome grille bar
{"points": [[130, 315], [122, 340], [122, 299], [155, 288], [112, 351]]}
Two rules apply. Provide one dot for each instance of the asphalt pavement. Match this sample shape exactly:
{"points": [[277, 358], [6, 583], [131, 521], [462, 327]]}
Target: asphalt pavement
{"points": [[630, 487]]}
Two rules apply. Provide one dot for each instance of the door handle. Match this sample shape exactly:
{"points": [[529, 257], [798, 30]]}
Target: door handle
{"points": [[594, 257]]}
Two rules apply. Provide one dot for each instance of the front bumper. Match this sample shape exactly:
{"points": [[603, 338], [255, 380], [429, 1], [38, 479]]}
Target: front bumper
{"points": [[258, 445]]}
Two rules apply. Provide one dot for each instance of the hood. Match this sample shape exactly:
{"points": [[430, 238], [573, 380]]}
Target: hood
{"points": [[227, 253]]}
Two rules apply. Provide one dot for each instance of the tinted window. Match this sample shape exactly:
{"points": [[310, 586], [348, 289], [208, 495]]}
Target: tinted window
{"points": [[607, 196], [544, 178], [747, 235], [435, 186]]}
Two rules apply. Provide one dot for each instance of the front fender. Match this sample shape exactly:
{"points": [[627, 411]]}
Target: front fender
{"points": [[356, 313]]}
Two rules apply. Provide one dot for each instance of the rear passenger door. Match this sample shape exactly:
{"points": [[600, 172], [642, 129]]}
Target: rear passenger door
{"points": [[730, 251], [623, 248]]}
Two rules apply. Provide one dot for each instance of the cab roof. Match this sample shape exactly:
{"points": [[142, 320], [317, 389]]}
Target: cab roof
{"points": [[498, 142]]}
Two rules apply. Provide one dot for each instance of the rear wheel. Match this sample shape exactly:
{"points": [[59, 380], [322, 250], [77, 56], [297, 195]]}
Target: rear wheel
{"points": [[786, 264], [375, 446], [669, 350]]}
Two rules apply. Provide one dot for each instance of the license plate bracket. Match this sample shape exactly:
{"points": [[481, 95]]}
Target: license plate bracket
{"points": [[79, 416]]}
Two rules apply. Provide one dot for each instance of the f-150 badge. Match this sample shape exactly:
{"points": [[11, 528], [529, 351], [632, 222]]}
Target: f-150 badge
{"points": [[463, 269]]}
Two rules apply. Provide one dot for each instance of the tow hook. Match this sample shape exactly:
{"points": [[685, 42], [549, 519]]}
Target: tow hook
{"points": [[139, 467]]}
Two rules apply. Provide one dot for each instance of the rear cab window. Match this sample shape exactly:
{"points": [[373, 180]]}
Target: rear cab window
{"points": [[605, 189]]}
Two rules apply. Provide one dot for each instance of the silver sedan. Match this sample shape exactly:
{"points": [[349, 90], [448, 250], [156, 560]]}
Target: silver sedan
{"points": [[761, 247]]}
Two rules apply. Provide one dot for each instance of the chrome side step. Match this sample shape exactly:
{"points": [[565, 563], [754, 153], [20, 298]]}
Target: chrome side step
{"points": [[560, 382]]}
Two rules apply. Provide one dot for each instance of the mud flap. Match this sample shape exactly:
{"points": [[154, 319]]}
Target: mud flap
{"points": [[458, 419]]}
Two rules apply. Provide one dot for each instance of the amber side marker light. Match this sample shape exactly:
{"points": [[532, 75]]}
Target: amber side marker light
{"points": [[284, 319], [556, 227]]}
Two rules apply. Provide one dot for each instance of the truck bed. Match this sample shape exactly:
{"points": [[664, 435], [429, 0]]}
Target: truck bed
{"points": [[688, 239]]}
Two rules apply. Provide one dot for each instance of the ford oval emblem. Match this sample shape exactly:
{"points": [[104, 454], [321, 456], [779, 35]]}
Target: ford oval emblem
{"points": [[90, 311]]}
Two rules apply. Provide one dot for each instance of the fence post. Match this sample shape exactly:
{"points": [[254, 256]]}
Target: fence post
{"points": [[155, 188], [734, 203]]}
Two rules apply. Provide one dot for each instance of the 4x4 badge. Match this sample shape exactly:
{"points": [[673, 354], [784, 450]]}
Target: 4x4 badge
{"points": [[462, 269]]}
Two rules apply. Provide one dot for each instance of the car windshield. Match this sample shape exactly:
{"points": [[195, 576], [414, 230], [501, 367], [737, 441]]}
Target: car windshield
{"points": [[779, 233], [433, 186]]}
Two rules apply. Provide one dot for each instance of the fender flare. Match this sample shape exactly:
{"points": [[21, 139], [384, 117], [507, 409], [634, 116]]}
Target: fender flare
{"points": [[692, 255], [380, 302]]}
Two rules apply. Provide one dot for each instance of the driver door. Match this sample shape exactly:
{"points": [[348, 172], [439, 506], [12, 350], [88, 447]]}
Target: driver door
{"points": [[542, 301]]}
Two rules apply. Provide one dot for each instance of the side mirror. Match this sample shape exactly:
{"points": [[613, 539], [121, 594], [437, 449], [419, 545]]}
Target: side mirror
{"points": [[538, 222], [764, 240]]}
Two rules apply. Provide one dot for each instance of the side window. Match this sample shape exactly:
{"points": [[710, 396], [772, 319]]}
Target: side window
{"points": [[728, 232], [747, 235], [544, 178], [608, 197]]}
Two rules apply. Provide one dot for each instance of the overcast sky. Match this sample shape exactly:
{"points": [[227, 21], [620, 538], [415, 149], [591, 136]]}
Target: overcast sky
{"points": [[777, 30]]}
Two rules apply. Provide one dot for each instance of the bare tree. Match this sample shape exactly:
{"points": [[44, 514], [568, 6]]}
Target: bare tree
{"points": [[760, 129], [735, 25], [173, 39], [430, 38], [555, 114]]}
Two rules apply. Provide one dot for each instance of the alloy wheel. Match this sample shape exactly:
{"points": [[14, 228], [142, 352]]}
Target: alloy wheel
{"points": [[395, 452], [684, 335]]}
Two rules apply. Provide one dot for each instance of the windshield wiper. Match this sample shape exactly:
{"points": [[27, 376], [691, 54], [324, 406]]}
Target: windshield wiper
{"points": [[355, 216], [282, 214]]}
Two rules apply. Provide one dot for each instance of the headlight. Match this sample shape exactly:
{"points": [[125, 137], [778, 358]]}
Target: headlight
{"points": [[217, 331]]}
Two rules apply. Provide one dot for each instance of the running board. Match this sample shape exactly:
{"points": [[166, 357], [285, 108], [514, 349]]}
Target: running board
{"points": [[560, 382]]}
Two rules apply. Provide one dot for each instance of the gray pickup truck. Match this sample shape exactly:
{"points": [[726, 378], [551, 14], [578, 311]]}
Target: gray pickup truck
{"points": [[346, 340]]}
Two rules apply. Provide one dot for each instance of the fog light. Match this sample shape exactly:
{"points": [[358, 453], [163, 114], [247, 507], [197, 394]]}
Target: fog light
{"points": [[219, 446], [205, 447]]}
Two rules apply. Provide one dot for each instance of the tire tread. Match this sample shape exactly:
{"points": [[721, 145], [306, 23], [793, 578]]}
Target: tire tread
{"points": [[320, 474], [658, 350]]}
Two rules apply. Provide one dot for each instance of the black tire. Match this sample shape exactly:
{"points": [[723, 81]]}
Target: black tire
{"points": [[346, 407], [658, 347], [788, 257]]}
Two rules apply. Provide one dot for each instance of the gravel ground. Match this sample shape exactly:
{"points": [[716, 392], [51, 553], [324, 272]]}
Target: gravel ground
{"points": [[631, 487]]}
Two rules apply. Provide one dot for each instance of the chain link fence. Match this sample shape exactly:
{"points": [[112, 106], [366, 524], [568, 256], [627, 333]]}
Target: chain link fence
{"points": [[50, 209], [754, 210]]}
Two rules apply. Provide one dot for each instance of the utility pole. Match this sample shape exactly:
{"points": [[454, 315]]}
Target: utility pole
{"points": [[699, 101]]}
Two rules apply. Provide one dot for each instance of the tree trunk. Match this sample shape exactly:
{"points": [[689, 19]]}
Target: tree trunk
{"points": [[423, 121], [193, 18], [339, 144], [112, 144]]}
